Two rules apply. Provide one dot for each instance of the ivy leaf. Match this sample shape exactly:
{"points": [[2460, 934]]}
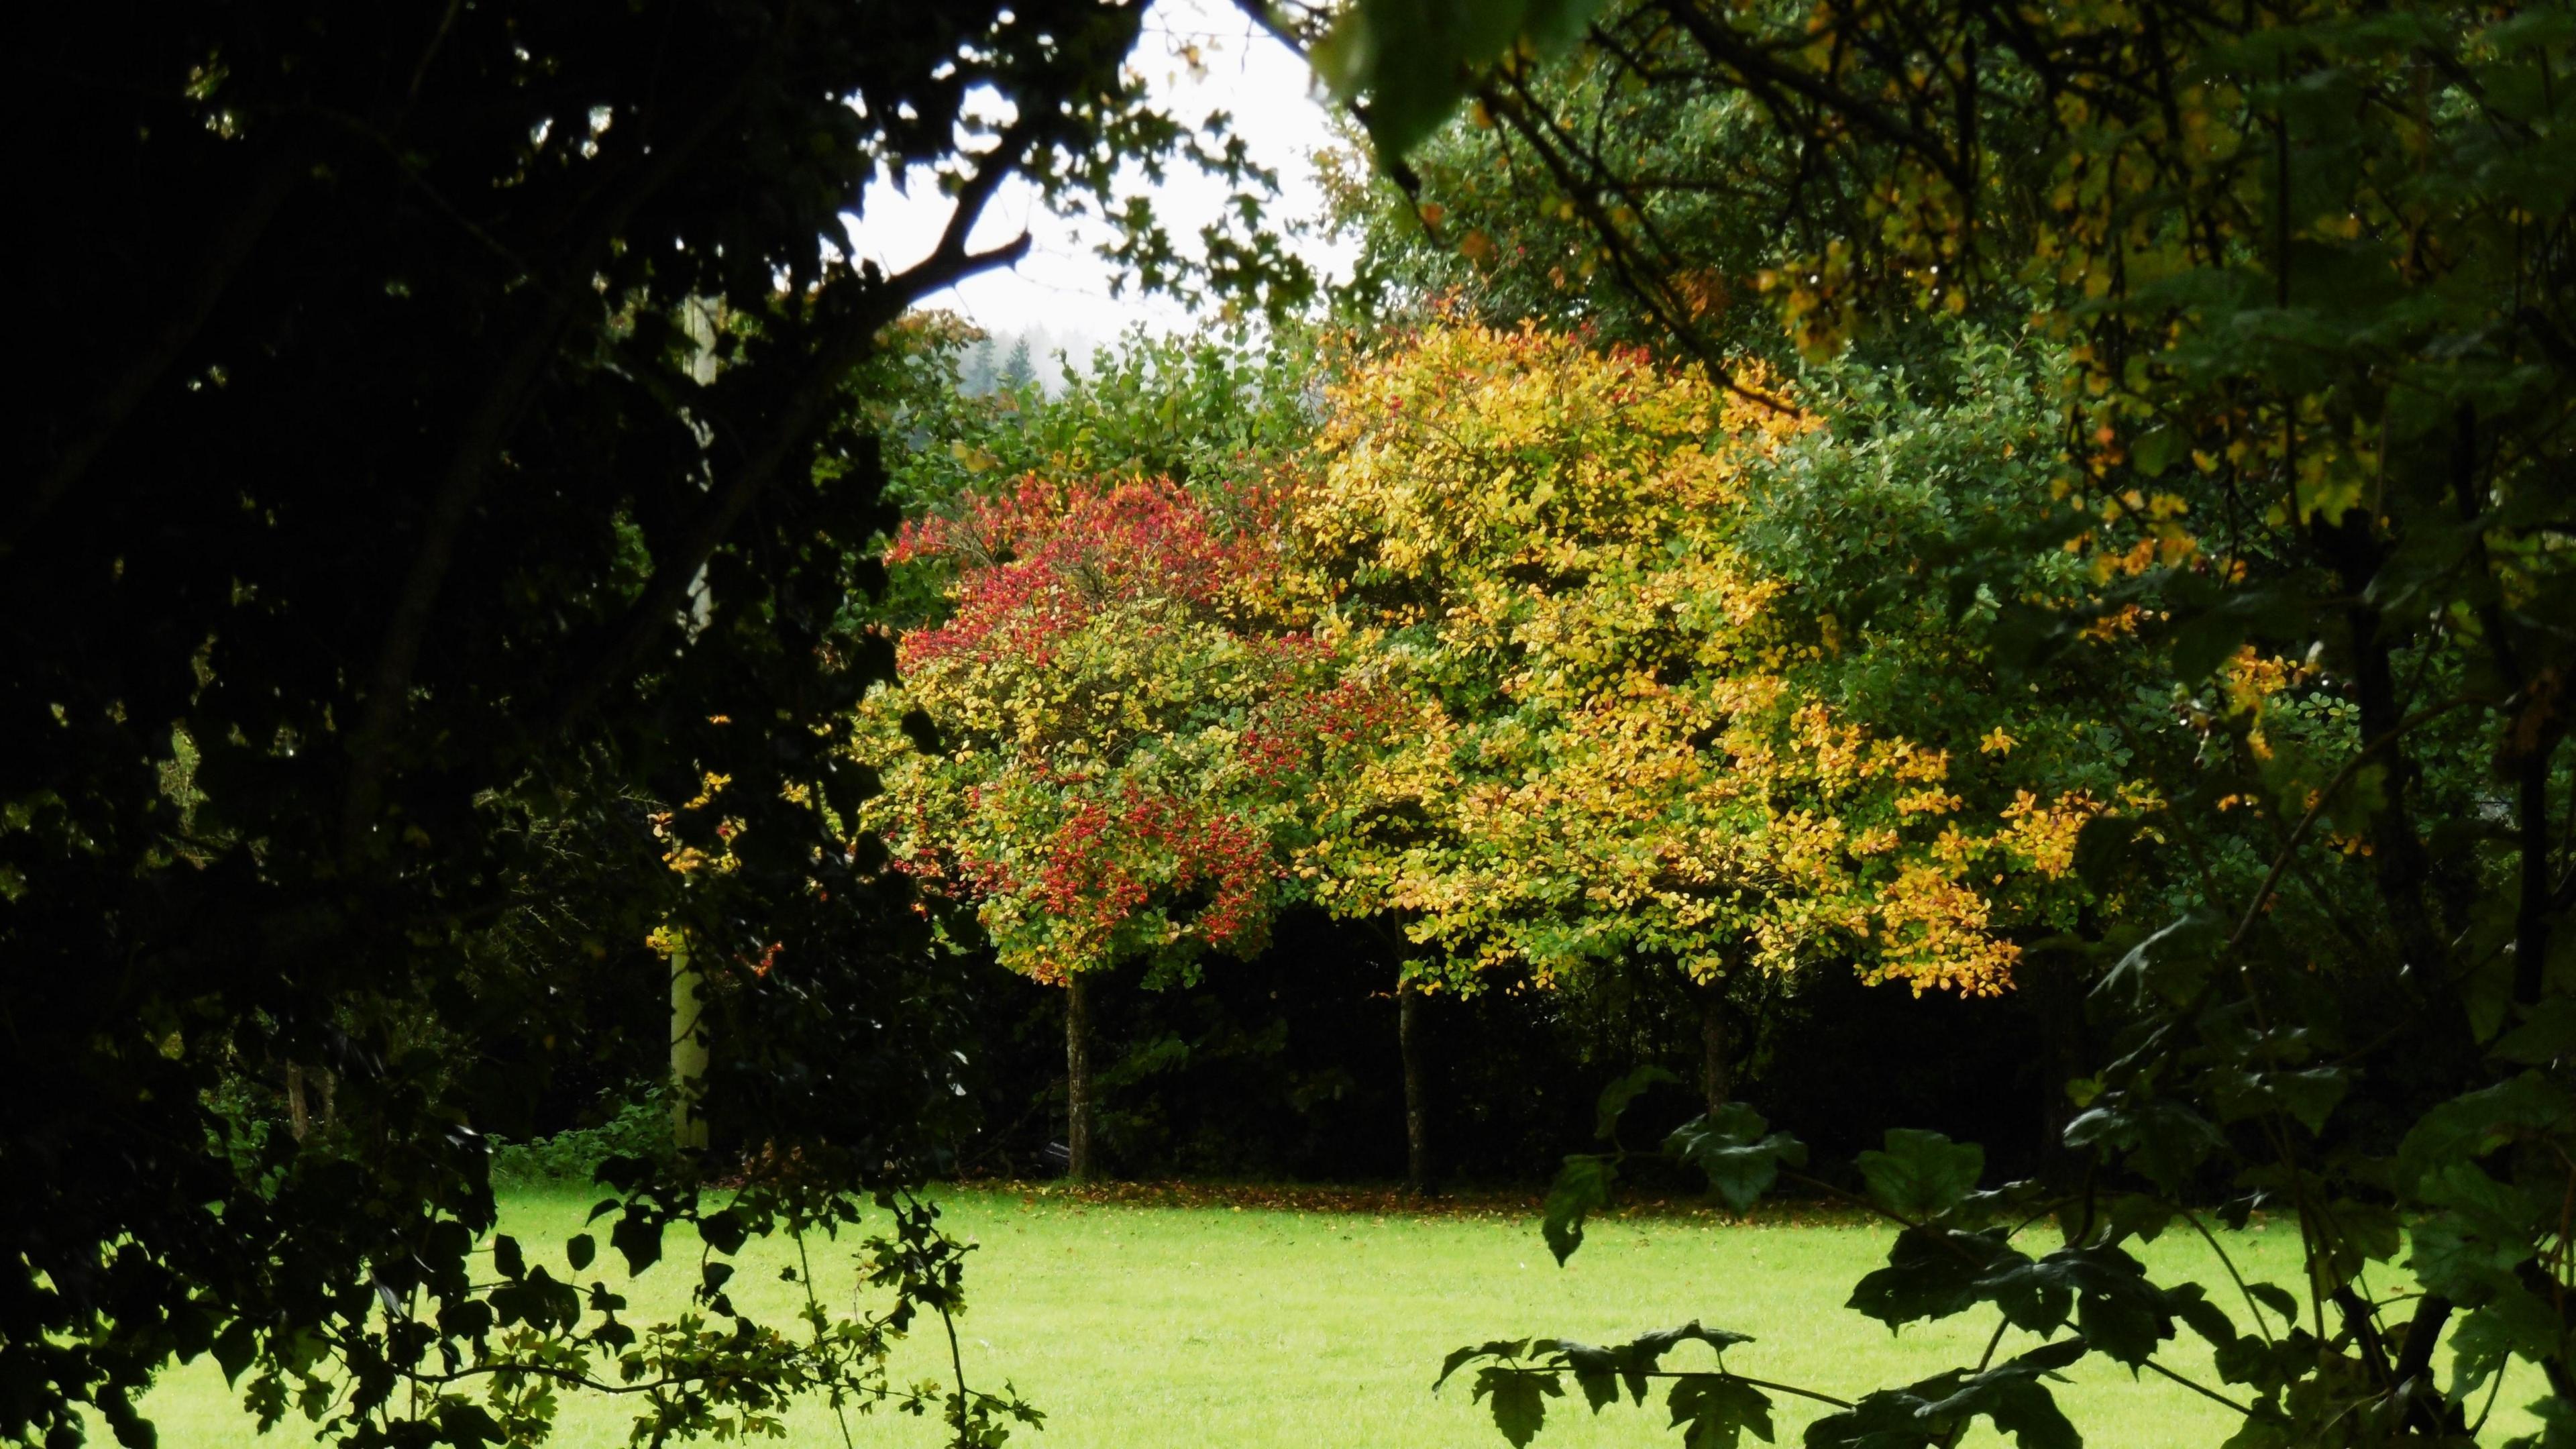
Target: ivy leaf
{"points": [[1740, 1158], [1714, 1410], [1921, 1175]]}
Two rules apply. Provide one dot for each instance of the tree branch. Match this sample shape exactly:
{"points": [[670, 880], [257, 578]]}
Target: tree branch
{"points": [[883, 300]]}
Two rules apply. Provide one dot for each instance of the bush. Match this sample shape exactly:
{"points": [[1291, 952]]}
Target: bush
{"points": [[640, 1127]]}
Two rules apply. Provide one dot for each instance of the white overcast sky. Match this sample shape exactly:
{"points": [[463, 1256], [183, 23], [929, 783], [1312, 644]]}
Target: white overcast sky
{"points": [[1062, 285]]}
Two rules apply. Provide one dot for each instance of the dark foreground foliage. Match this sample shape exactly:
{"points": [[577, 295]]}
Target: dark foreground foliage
{"points": [[436, 506]]}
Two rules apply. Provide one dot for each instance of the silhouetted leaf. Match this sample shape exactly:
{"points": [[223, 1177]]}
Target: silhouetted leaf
{"points": [[1740, 1158], [1581, 1186], [1921, 1174]]}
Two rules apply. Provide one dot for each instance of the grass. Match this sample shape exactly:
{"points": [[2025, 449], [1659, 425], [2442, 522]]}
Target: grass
{"points": [[1271, 1321]]}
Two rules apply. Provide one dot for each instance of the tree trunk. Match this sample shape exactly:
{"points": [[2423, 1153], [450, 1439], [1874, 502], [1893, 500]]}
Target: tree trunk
{"points": [[1077, 1080], [1716, 1082], [1417, 1087], [688, 1054], [299, 1115]]}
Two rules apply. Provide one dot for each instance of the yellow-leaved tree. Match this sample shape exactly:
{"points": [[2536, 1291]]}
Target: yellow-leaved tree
{"points": [[1622, 750]]}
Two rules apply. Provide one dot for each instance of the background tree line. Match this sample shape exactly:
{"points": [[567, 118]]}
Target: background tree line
{"points": [[2282, 527]]}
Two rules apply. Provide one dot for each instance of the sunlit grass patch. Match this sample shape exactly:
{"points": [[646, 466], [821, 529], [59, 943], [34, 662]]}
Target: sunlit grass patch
{"points": [[1275, 1317]]}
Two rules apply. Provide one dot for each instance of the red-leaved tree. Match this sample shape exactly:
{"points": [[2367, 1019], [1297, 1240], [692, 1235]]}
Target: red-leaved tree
{"points": [[1138, 735]]}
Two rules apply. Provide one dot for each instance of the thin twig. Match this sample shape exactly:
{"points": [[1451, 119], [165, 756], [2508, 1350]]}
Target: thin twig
{"points": [[2204, 1392]]}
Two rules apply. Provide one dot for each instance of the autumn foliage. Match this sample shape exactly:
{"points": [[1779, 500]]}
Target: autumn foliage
{"points": [[1134, 724], [1631, 748]]}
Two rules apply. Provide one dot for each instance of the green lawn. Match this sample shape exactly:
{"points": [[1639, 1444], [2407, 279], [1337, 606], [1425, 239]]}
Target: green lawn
{"points": [[1137, 1325]]}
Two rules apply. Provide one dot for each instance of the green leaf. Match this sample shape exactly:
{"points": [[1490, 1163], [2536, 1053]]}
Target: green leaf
{"points": [[638, 1235], [234, 1348], [2515, 1324], [1648, 1349], [467, 1425], [2012, 1396], [1460, 1357], [1714, 1410], [1644, 1354], [2137, 1215], [1616, 1097], [1933, 1273], [2557, 1426], [2485, 1229], [1596, 1370], [2165, 1140], [2204, 640], [1921, 1175], [1519, 1400], [2311, 1095], [2276, 1298], [2169, 965], [1883, 1420], [723, 1231], [2546, 1034], [2158, 450], [2116, 1308], [1409, 62], [1733, 1150], [2469, 1127], [2190, 1303], [1581, 1186]]}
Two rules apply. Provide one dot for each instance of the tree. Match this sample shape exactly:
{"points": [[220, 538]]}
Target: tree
{"points": [[465, 485], [1633, 753], [2309, 265], [1017, 371], [1129, 729]]}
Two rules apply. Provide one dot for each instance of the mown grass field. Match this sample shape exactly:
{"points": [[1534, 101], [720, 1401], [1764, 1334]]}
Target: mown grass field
{"points": [[1273, 1321]]}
